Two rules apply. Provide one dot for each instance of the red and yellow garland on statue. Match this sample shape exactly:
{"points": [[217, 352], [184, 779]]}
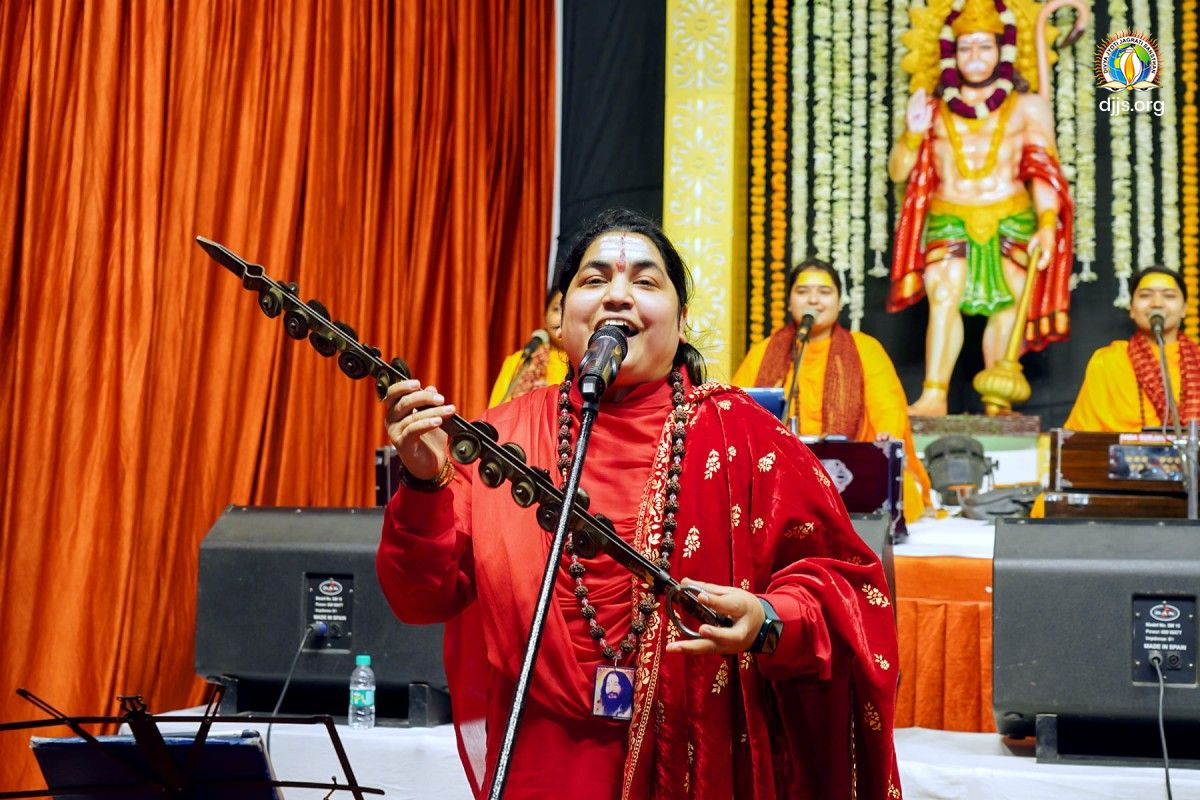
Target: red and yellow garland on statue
{"points": [[952, 79]]}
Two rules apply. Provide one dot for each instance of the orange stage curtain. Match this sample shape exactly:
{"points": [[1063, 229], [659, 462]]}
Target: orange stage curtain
{"points": [[393, 158], [944, 615]]}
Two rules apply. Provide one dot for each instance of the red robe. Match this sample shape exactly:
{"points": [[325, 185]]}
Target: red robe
{"points": [[1047, 320], [757, 511]]}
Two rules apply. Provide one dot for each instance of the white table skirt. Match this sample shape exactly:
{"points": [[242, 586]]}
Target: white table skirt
{"points": [[422, 764]]}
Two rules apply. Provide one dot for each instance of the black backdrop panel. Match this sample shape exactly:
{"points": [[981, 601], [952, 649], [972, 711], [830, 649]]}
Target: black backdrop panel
{"points": [[613, 76]]}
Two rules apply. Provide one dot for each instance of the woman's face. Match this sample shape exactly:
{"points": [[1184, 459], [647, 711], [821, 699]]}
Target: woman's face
{"points": [[553, 320], [814, 293], [623, 280], [1157, 292]]}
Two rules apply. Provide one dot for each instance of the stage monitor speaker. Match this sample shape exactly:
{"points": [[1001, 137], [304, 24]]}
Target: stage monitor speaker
{"points": [[266, 574], [1079, 608], [876, 531]]}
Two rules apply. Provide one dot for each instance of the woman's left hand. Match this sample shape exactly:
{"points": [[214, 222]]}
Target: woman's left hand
{"points": [[739, 605]]}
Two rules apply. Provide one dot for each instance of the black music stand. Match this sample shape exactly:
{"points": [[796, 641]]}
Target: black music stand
{"points": [[227, 768], [147, 765]]}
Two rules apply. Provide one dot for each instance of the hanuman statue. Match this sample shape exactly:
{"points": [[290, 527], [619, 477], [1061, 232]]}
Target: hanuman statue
{"points": [[984, 182]]}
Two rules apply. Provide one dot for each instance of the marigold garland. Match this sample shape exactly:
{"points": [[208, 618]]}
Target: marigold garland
{"points": [[779, 159], [757, 200], [1190, 190]]}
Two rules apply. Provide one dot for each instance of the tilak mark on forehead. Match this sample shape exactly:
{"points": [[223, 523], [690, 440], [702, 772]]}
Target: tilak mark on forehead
{"points": [[622, 262]]}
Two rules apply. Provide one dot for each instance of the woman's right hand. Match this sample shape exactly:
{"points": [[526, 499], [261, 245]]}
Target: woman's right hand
{"points": [[919, 115], [414, 418]]}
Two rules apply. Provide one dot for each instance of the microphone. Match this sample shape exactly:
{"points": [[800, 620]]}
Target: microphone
{"points": [[539, 339], [1157, 321], [598, 368], [805, 326]]}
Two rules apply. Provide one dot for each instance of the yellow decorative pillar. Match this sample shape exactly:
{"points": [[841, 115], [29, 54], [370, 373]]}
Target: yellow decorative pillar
{"points": [[704, 196]]}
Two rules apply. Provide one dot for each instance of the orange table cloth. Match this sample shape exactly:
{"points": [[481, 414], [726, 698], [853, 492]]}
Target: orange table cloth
{"points": [[944, 617]]}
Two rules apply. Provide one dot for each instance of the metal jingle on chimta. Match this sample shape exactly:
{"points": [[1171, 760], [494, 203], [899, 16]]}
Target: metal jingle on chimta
{"points": [[517, 452], [465, 447], [584, 544], [270, 302], [487, 429], [524, 491], [491, 472], [295, 323], [323, 343], [318, 308], [547, 515], [354, 365]]}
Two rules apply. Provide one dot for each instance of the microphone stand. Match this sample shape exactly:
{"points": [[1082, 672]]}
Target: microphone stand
{"points": [[1172, 409], [545, 596], [793, 419], [1190, 444]]}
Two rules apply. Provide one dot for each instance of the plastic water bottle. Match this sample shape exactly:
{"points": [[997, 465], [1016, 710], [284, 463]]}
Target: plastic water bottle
{"points": [[362, 693]]}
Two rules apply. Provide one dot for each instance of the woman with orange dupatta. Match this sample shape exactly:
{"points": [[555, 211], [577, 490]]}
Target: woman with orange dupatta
{"points": [[697, 477], [847, 384]]}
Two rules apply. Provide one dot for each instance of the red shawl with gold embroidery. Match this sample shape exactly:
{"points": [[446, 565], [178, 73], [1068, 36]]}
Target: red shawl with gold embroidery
{"points": [[758, 511]]}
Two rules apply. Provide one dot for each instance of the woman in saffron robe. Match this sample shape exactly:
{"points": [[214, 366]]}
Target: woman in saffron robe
{"points": [[691, 472], [847, 383], [1122, 390], [521, 374]]}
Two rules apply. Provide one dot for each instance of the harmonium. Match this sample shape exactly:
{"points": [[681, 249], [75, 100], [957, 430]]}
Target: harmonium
{"points": [[868, 475], [1133, 475]]}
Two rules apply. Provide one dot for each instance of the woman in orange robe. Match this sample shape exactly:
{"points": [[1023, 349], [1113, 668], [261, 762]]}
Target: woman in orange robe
{"points": [[847, 383], [1122, 390]]}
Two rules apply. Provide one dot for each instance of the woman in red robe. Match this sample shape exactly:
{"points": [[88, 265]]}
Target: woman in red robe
{"points": [[691, 472]]}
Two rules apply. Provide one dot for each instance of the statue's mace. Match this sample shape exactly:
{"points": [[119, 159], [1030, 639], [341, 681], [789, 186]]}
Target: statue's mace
{"points": [[1003, 384]]}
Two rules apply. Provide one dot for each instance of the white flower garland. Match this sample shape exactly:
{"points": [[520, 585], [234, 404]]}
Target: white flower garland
{"points": [[801, 117], [1168, 138], [1147, 215], [859, 161], [880, 140], [1064, 101], [1085, 153], [822, 128], [843, 69], [1122, 175]]}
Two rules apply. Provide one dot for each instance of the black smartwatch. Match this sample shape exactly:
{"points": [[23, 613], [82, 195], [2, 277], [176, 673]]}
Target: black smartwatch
{"points": [[768, 635]]}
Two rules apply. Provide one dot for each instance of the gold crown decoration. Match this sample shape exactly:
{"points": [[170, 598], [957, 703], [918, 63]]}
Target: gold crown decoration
{"points": [[979, 16], [923, 57]]}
